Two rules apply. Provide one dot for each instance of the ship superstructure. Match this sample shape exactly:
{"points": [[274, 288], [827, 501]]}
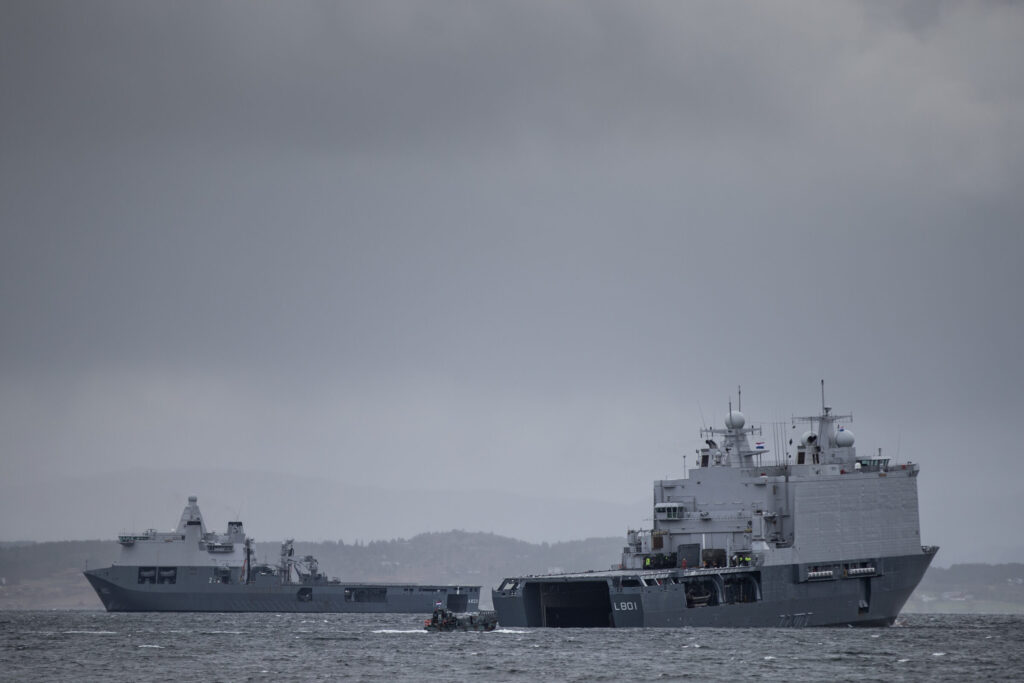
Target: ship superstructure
{"points": [[192, 569], [820, 536]]}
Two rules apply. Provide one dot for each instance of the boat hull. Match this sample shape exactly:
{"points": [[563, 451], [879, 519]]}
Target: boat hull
{"points": [[775, 596], [119, 590]]}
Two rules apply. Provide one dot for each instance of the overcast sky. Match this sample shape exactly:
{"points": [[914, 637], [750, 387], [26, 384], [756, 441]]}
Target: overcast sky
{"points": [[516, 249]]}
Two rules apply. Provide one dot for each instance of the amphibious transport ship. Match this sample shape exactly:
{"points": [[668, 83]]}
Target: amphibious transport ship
{"points": [[826, 538], [191, 569]]}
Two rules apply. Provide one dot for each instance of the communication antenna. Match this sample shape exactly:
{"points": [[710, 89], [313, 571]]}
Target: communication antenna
{"points": [[823, 396], [701, 411]]}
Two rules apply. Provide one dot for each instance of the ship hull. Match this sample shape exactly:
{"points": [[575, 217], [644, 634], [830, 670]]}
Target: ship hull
{"points": [[119, 590], [773, 596]]}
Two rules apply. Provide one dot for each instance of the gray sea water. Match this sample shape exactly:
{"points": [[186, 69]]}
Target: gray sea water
{"points": [[78, 646]]}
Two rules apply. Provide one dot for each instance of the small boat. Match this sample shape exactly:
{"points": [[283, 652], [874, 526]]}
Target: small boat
{"points": [[443, 620]]}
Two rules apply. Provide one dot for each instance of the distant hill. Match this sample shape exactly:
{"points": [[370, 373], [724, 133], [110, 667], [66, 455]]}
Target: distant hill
{"points": [[49, 575], [102, 506], [970, 588]]}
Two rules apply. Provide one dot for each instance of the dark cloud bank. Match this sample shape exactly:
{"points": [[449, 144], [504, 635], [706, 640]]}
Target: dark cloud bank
{"points": [[314, 261]]}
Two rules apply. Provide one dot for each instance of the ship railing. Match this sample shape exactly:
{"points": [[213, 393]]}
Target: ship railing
{"points": [[708, 515], [128, 539], [871, 465], [767, 470], [220, 547]]}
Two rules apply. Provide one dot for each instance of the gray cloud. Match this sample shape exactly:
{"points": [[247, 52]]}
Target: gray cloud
{"points": [[459, 244]]}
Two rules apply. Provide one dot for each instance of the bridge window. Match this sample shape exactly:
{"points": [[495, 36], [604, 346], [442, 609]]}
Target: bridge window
{"points": [[669, 511]]}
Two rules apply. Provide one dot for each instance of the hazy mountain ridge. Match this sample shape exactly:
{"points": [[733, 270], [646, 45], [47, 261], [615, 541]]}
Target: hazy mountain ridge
{"points": [[971, 588], [137, 499], [48, 575]]}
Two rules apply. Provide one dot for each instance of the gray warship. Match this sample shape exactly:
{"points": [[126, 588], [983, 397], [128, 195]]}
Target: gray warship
{"points": [[191, 569], [825, 538]]}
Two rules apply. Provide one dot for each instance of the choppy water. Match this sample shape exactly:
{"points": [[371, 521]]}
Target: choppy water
{"points": [[60, 646]]}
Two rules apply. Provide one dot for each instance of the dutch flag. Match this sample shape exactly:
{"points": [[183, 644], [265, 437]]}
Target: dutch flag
{"points": [[759, 445]]}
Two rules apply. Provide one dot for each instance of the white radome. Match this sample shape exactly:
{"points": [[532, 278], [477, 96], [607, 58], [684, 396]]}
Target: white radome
{"points": [[735, 420], [844, 438]]}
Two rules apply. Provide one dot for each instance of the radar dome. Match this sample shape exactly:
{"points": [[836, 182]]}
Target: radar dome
{"points": [[735, 420], [808, 438], [844, 438]]}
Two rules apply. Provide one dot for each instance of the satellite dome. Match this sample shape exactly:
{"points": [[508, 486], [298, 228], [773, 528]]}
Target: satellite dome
{"points": [[735, 420], [808, 438], [844, 438]]}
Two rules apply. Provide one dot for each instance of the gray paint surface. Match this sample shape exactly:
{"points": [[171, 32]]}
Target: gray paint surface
{"points": [[119, 591], [191, 569], [829, 538]]}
